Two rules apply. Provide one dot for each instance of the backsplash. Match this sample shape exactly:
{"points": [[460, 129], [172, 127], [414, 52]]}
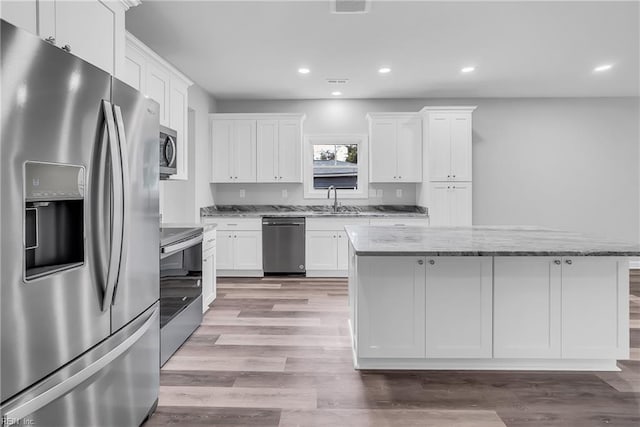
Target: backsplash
{"points": [[273, 194]]}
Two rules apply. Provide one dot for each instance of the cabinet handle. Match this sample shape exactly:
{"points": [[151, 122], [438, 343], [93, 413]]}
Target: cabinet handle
{"points": [[280, 177], [230, 177], [394, 177], [230, 236], [420, 262], [454, 187], [275, 177], [236, 177], [66, 48], [400, 177], [556, 262], [454, 176], [431, 262], [568, 261], [50, 39], [448, 176]]}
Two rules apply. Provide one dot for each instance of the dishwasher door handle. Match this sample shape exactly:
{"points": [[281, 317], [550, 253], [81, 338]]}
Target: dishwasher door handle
{"points": [[279, 224]]}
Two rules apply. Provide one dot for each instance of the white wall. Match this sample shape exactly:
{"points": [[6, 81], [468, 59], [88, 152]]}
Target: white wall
{"points": [[181, 200], [570, 163]]}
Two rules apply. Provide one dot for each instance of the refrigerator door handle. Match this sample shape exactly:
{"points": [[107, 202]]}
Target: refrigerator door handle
{"points": [[118, 206], [57, 391], [124, 153]]}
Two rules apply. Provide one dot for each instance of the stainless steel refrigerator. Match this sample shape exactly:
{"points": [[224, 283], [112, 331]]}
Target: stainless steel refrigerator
{"points": [[79, 262]]}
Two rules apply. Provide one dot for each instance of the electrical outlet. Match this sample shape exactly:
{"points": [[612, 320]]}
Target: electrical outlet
{"points": [[242, 193], [285, 193], [398, 192], [380, 192]]}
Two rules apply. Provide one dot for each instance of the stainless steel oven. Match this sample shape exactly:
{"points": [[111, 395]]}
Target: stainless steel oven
{"points": [[168, 152], [180, 287]]}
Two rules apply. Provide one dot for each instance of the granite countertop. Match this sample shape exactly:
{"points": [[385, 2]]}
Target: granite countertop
{"points": [[313, 211], [481, 241]]}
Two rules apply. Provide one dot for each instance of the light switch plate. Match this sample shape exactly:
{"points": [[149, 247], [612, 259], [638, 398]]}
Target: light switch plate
{"points": [[285, 193], [398, 192], [242, 193]]}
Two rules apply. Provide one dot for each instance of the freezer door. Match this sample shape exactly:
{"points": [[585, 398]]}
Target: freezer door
{"points": [[51, 115], [115, 384], [137, 122]]}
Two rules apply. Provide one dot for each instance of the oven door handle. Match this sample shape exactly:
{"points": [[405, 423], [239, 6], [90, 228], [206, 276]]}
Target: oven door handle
{"points": [[170, 249]]}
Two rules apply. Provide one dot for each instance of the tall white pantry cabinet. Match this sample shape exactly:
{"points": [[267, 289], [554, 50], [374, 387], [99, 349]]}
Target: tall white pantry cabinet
{"points": [[447, 184]]}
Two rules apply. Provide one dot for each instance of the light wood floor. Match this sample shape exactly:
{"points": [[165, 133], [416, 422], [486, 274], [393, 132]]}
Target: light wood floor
{"points": [[275, 351]]}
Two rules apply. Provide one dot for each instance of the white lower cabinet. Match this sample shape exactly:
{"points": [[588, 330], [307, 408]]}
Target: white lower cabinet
{"points": [[391, 312], [527, 292], [459, 307], [594, 292], [239, 250], [451, 204], [321, 250], [553, 307], [209, 288]]}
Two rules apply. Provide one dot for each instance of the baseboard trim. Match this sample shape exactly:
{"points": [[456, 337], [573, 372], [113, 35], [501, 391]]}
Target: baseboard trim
{"points": [[327, 273], [634, 263], [240, 273], [489, 364]]}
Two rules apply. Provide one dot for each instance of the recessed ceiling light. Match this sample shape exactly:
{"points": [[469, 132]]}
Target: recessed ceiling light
{"points": [[603, 68], [336, 93], [468, 69], [304, 70], [384, 70]]}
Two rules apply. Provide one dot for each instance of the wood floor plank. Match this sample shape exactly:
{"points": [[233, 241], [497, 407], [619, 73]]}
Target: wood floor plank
{"points": [[238, 397], [207, 416], [182, 361], [388, 418], [296, 340], [310, 307], [257, 321]]}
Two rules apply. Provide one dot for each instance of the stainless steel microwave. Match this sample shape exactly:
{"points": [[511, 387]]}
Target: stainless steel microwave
{"points": [[168, 152]]}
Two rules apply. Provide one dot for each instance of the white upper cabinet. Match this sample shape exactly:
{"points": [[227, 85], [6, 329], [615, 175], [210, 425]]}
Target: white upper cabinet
{"points": [[395, 153], [448, 143], [92, 30], [233, 150], [256, 147], [147, 72]]}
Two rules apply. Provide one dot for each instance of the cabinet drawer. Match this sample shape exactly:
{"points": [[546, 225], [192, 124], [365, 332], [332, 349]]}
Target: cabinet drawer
{"points": [[333, 224], [417, 222], [231, 223]]}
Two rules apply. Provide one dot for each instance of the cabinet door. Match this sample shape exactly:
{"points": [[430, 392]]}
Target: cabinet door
{"points": [[461, 147], [460, 199], [391, 311], [221, 134], [343, 251], [409, 150], [158, 88], [439, 208], [459, 307], [290, 145], [23, 14], [526, 310], [178, 116], [135, 69], [88, 28], [244, 151], [224, 250], [267, 150], [594, 316], [321, 250], [439, 147], [382, 153], [247, 251], [208, 282]]}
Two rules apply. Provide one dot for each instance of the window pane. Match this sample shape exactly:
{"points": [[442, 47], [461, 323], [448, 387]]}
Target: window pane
{"points": [[335, 165]]}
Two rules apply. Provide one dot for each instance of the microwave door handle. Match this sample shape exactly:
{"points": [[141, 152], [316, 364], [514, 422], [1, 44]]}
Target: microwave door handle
{"points": [[124, 153], [171, 141], [117, 206]]}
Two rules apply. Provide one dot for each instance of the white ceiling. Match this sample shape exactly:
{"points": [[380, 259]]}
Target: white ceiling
{"points": [[252, 50]]}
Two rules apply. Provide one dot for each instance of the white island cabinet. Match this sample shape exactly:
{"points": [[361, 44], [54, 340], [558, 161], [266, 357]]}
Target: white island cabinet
{"points": [[487, 298]]}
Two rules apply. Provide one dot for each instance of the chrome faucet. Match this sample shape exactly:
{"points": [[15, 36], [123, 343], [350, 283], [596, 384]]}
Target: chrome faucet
{"points": [[335, 197]]}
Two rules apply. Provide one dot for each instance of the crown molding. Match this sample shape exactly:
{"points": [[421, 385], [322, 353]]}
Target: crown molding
{"points": [[127, 4]]}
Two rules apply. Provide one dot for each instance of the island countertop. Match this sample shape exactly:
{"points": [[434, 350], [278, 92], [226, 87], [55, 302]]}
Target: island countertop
{"points": [[481, 241]]}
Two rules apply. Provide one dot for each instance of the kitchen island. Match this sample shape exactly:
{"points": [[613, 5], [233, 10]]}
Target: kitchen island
{"points": [[487, 298]]}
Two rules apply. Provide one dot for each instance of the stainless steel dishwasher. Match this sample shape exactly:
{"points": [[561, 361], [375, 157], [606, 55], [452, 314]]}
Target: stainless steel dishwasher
{"points": [[283, 245]]}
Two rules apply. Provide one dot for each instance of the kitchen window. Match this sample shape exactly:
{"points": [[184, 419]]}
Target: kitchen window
{"points": [[336, 160]]}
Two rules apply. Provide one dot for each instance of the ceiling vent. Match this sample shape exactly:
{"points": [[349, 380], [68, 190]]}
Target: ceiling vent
{"points": [[350, 6], [337, 81]]}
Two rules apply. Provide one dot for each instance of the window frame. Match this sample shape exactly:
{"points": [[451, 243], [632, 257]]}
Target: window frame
{"points": [[361, 140]]}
